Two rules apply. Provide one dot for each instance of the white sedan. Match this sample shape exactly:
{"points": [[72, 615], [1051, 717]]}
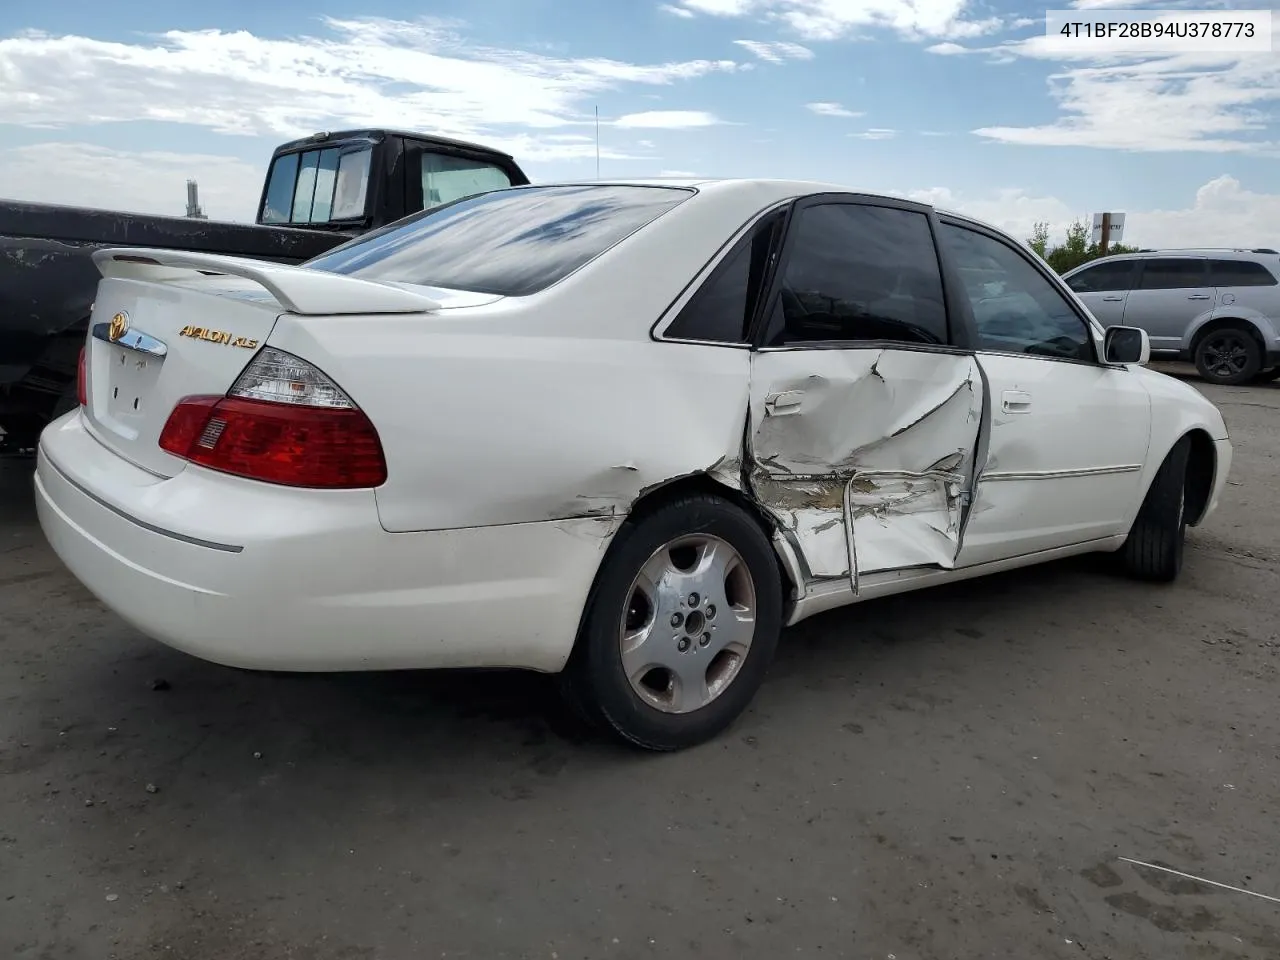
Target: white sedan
{"points": [[622, 431]]}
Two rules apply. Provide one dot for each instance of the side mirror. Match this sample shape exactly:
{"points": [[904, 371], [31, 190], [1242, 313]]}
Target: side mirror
{"points": [[1126, 345]]}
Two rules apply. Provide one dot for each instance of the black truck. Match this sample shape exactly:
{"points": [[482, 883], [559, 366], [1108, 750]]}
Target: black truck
{"points": [[320, 191]]}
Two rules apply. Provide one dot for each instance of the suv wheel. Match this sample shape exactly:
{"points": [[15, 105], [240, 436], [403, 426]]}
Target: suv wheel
{"points": [[1229, 356]]}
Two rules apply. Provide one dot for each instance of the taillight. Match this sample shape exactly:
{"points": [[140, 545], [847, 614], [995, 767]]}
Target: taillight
{"points": [[82, 388], [282, 422]]}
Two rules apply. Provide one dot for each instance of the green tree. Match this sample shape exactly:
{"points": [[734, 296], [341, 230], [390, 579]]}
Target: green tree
{"points": [[1039, 241], [1077, 246]]}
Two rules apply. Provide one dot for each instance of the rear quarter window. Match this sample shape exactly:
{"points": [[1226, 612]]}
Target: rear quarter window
{"points": [[1241, 273], [512, 242]]}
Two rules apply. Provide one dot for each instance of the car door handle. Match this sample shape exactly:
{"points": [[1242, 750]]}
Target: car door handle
{"points": [[1113, 299], [1199, 296], [1015, 401], [786, 402]]}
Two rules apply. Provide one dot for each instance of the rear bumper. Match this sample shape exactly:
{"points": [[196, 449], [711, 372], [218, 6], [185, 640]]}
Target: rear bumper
{"points": [[251, 575]]}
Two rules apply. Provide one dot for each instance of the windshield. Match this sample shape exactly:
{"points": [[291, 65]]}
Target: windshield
{"points": [[511, 242]]}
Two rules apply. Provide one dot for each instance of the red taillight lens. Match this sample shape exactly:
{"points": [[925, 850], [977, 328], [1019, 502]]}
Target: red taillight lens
{"points": [[293, 445], [82, 388]]}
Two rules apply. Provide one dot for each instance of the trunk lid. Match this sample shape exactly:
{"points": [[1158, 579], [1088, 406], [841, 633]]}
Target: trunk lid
{"points": [[152, 343], [169, 324]]}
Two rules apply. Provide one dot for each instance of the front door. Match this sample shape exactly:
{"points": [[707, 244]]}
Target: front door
{"points": [[1068, 436], [864, 418], [1170, 293]]}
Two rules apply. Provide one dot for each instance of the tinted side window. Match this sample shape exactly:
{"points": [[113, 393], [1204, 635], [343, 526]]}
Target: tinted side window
{"points": [[858, 273], [1173, 274], [722, 309], [1016, 309], [1240, 273], [1116, 276]]}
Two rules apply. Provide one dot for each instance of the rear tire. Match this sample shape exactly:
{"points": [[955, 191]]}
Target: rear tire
{"points": [[1154, 549], [1228, 356], [693, 589]]}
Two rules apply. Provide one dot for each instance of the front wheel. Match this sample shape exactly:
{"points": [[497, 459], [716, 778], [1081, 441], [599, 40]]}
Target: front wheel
{"points": [[681, 627], [1228, 357], [1154, 548]]}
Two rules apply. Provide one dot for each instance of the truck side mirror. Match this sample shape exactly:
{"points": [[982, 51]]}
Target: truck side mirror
{"points": [[1127, 345]]}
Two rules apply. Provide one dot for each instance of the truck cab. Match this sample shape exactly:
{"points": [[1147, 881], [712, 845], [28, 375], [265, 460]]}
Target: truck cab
{"points": [[353, 181]]}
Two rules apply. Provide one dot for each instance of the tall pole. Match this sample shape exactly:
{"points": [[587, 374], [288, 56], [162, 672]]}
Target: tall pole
{"points": [[597, 142], [1106, 234]]}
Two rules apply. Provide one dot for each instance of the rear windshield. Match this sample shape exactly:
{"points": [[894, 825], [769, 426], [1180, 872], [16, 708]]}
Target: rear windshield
{"points": [[509, 242]]}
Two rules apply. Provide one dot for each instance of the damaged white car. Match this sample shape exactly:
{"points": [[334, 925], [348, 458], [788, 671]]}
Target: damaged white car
{"points": [[624, 432]]}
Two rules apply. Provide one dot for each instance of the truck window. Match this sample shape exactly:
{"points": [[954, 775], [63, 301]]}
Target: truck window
{"points": [[352, 185], [318, 186], [446, 178], [284, 172], [305, 190]]}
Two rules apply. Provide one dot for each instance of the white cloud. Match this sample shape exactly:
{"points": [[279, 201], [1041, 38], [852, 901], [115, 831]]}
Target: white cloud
{"points": [[1102, 4], [667, 120], [876, 133], [360, 72], [836, 19], [1205, 102], [829, 109], [678, 174], [776, 52], [676, 11], [948, 49], [1222, 213], [719, 8]]}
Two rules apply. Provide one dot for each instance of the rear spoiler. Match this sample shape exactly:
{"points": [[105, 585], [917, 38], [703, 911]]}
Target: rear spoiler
{"points": [[299, 290]]}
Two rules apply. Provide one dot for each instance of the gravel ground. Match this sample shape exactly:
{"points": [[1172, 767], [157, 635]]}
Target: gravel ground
{"points": [[952, 774]]}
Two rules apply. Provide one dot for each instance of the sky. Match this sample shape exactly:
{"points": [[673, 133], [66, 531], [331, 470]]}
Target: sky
{"points": [[967, 104]]}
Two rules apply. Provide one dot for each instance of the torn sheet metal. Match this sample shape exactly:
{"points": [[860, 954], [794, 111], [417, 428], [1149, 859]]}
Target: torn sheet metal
{"points": [[869, 465]]}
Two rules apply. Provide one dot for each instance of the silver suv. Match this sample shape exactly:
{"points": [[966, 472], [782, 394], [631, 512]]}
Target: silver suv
{"points": [[1217, 308]]}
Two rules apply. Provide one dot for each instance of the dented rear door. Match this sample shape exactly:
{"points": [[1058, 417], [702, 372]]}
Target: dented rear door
{"points": [[864, 417]]}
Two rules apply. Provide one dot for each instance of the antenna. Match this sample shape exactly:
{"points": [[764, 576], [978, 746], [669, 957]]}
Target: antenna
{"points": [[597, 142]]}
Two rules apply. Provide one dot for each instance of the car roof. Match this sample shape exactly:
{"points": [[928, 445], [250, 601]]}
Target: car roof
{"points": [[781, 189], [1218, 253]]}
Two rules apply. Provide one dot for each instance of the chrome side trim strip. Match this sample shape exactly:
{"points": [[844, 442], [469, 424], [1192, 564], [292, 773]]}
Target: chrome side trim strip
{"points": [[194, 541], [1061, 474], [131, 339]]}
